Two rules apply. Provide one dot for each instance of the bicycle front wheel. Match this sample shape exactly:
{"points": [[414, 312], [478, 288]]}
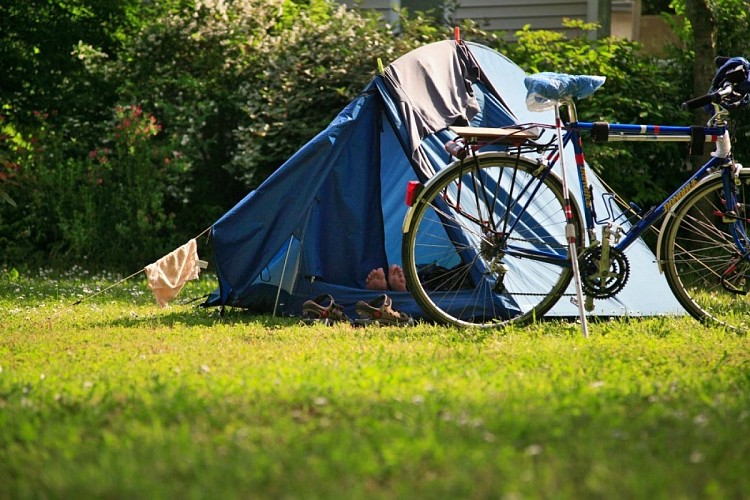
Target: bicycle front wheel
{"points": [[705, 249], [485, 243]]}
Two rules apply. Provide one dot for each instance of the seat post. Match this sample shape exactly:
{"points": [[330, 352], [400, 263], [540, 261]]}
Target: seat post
{"points": [[572, 112]]}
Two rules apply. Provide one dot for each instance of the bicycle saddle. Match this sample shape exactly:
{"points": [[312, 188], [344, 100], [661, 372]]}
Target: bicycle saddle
{"points": [[545, 90]]}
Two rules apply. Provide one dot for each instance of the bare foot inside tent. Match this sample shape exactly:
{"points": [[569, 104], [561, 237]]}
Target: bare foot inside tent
{"points": [[396, 279], [376, 280]]}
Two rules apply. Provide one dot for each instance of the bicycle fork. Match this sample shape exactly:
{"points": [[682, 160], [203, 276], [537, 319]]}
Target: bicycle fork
{"points": [[734, 279]]}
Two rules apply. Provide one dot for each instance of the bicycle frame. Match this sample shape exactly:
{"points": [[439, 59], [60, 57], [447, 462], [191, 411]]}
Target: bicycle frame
{"points": [[638, 132]]}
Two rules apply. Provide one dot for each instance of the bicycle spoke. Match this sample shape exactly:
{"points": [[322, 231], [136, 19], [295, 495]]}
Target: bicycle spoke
{"points": [[470, 255], [707, 270]]}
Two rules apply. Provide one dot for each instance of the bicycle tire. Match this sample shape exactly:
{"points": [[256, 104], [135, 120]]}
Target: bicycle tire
{"points": [[465, 266], [703, 265]]}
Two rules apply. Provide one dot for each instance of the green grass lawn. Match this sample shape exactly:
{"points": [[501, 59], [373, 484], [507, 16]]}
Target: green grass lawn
{"points": [[117, 398]]}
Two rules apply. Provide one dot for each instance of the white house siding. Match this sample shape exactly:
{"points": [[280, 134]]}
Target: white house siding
{"points": [[511, 16], [505, 15]]}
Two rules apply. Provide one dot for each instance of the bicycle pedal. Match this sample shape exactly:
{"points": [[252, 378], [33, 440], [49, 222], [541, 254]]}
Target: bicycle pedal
{"points": [[588, 304]]}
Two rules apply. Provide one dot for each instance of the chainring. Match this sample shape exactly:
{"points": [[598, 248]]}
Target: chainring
{"points": [[617, 275]]}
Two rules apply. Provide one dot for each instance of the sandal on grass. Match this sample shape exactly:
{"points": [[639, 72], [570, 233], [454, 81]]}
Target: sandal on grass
{"points": [[379, 311], [323, 309]]}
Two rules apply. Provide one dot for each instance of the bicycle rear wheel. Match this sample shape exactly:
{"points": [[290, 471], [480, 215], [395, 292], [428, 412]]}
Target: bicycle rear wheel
{"points": [[485, 243], [705, 249]]}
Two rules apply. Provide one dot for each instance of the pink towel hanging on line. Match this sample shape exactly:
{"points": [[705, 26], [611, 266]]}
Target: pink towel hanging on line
{"points": [[167, 275]]}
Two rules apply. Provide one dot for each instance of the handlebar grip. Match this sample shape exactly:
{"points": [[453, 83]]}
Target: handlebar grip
{"points": [[701, 101]]}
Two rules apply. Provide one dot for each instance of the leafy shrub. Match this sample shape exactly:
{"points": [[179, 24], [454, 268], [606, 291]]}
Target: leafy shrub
{"points": [[313, 69], [135, 180], [108, 207], [29, 229], [186, 65], [8, 167]]}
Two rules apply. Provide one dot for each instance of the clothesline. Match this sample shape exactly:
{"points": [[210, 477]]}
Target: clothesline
{"points": [[94, 294]]}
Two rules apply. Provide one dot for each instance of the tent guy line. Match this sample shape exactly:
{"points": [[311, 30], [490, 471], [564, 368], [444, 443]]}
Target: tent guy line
{"points": [[123, 280]]}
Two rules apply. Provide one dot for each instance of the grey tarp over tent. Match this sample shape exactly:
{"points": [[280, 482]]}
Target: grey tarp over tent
{"points": [[334, 210]]}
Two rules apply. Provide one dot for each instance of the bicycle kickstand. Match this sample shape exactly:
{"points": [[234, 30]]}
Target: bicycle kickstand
{"points": [[570, 233]]}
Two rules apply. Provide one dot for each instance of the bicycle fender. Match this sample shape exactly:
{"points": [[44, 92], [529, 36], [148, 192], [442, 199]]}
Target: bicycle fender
{"points": [[670, 215], [447, 171]]}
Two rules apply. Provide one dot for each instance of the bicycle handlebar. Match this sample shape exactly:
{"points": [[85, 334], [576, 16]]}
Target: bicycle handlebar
{"points": [[731, 85], [712, 97], [701, 101]]}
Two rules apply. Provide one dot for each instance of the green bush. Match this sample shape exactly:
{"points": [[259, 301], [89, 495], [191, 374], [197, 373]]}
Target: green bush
{"points": [[312, 69], [109, 208], [114, 191], [46, 185], [135, 177], [8, 167]]}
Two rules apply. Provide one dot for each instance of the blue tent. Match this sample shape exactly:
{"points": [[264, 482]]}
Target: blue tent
{"points": [[334, 210]]}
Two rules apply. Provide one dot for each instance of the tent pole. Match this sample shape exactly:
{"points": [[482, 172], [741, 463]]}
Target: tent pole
{"points": [[283, 272]]}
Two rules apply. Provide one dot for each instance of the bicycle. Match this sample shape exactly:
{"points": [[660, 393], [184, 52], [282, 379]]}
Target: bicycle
{"points": [[471, 225]]}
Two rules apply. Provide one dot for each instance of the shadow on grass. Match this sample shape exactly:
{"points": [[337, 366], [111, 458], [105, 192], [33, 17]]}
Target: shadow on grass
{"points": [[199, 316], [211, 317]]}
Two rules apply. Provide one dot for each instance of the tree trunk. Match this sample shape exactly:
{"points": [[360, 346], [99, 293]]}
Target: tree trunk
{"points": [[703, 21]]}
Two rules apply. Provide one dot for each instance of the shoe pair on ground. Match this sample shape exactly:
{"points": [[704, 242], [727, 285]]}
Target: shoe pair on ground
{"points": [[379, 311]]}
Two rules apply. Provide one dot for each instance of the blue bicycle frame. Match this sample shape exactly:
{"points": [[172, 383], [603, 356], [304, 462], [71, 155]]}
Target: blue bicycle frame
{"points": [[631, 132], [627, 132]]}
